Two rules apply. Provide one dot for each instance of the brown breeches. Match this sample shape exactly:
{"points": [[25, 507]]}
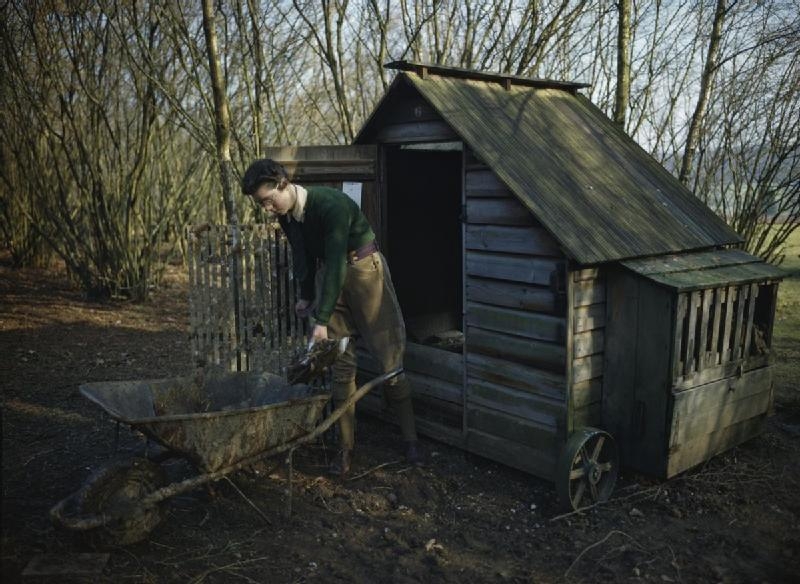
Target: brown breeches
{"points": [[367, 309]]}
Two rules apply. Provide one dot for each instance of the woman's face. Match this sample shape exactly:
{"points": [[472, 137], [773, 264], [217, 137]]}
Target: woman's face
{"points": [[275, 197]]}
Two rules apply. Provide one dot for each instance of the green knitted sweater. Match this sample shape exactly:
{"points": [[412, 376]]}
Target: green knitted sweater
{"points": [[332, 226]]}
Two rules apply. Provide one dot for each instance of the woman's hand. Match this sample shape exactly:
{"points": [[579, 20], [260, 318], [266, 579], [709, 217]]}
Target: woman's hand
{"points": [[320, 333]]}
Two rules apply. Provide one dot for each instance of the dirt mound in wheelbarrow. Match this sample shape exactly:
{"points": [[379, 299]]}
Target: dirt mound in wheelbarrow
{"points": [[458, 519]]}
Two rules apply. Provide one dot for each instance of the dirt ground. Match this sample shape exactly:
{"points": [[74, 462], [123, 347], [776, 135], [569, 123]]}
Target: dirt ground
{"points": [[458, 519]]}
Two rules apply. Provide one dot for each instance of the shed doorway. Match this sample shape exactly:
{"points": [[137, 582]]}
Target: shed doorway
{"points": [[424, 240]]}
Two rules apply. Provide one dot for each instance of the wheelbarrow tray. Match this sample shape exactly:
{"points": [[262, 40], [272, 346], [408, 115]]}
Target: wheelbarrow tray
{"points": [[213, 421]]}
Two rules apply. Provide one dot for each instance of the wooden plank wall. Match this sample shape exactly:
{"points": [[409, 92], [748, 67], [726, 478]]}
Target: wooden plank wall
{"points": [[266, 332], [515, 320], [588, 346], [714, 417], [436, 378], [408, 118]]}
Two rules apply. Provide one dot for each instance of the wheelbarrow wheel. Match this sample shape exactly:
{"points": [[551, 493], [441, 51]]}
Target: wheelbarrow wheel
{"points": [[113, 494], [587, 469]]}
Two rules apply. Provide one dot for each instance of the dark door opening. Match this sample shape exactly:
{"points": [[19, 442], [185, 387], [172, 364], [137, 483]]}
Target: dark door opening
{"points": [[424, 240]]}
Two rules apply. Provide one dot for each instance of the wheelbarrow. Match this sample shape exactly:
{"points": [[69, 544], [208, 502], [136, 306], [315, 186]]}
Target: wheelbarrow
{"points": [[220, 423]]}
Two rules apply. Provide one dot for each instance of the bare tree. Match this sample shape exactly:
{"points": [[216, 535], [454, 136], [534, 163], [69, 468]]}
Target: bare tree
{"points": [[706, 87], [84, 136], [107, 107], [623, 62], [749, 156], [222, 119]]}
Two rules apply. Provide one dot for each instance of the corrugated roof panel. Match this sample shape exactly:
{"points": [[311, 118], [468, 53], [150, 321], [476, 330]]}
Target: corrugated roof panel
{"points": [[600, 195], [695, 271]]}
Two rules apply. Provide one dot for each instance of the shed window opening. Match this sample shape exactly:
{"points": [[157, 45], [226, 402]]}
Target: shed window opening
{"points": [[722, 325]]}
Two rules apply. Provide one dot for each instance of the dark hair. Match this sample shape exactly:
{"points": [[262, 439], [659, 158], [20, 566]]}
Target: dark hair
{"points": [[261, 171]]}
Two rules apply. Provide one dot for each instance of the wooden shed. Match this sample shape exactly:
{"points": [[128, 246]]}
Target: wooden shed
{"points": [[553, 277]]}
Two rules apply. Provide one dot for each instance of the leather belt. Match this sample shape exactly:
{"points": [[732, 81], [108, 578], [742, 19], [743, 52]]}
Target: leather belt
{"points": [[362, 252]]}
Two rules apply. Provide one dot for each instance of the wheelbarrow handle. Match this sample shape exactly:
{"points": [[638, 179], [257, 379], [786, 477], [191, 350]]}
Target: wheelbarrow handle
{"points": [[359, 393], [193, 482]]}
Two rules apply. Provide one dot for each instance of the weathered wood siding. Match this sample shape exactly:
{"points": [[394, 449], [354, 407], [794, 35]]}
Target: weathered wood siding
{"points": [[709, 419], [681, 385], [436, 377], [587, 296], [408, 118], [515, 321], [636, 384]]}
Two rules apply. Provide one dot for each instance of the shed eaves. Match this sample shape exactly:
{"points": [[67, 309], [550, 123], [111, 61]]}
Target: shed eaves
{"points": [[599, 194], [707, 269]]}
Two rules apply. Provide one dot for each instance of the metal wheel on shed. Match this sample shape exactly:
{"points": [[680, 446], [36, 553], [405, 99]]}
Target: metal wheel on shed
{"points": [[587, 468]]}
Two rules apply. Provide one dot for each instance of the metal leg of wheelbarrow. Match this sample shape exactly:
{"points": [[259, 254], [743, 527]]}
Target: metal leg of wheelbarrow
{"points": [[289, 481]]}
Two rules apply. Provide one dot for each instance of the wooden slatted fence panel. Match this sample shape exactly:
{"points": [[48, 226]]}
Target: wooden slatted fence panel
{"points": [[241, 298]]}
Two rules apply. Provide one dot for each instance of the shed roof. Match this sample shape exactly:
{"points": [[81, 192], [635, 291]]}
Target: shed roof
{"points": [[707, 269], [599, 194]]}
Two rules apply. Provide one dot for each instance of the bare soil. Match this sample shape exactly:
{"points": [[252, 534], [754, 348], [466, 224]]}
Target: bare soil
{"points": [[460, 518]]}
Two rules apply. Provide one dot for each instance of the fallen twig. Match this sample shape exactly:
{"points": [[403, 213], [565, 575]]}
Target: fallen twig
{"points": [[202, 576], [373, 469], [594, 545], [575, 512], [249, 502], [674, 563]]}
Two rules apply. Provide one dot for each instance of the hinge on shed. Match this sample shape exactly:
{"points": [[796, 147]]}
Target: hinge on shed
{"points": [[558, 285]]}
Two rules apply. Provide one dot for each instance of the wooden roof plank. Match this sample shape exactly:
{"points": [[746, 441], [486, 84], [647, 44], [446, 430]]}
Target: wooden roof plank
{"points": [[717, 277], [693, 261], [506, 80]]}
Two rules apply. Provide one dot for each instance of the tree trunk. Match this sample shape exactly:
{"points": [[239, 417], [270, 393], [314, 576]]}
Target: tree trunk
{"points": [[222, 127], [623, 62], [222, 121], [706, 83]]}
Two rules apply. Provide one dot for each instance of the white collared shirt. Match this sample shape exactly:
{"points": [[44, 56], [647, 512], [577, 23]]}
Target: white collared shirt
{"points": [[299, 209]]}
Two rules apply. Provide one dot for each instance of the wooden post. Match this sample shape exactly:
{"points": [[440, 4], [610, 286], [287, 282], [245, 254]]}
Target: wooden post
{"points": [[751, 308], [730, 298], [736, 341], [689, 358], [680, 317], [719, 299], [702, 349]]}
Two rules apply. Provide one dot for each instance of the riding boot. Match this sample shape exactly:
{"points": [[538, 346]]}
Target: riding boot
{"points": [[340, 465]]}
